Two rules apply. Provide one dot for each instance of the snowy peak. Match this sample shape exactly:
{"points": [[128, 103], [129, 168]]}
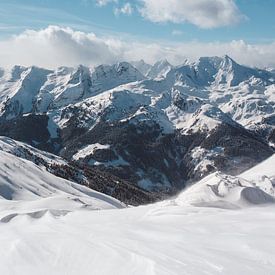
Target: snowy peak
{"points": [[22, 98], [15, 73], [80, 75], [77, 86], [232, 73], [124, 71], [142, 66], [211, 103], [160, 69], [207, 118], [215, 71], [105, 77], [206, 68], [217, 63], [33, 89]]}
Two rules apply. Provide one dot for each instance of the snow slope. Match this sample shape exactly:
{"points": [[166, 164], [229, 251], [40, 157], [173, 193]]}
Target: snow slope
{"points": [[90, 149], [27, 152], [265, 168], [25, 186], [169, 237]]}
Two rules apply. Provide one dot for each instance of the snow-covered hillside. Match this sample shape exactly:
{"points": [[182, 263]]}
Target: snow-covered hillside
{"points": [[25, 151], [25, 186], [171, 237]]}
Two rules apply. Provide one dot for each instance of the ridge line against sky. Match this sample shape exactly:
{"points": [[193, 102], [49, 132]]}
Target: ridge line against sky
{"points": [[114, 30]]}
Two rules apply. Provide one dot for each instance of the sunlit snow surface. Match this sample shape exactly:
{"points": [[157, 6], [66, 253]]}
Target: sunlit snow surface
{"points": [[213, 227]]}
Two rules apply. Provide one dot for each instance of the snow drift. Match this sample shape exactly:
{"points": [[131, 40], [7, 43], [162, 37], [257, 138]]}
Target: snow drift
{"points": [[172, 237], [255, 186]]}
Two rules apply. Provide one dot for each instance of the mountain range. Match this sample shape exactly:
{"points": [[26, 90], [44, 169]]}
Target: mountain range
{"points": [[140, 132]]}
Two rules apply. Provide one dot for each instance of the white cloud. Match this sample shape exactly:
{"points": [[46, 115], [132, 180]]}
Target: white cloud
{"points": [[202, 13], [126, 9], [104, 2], [55, 46], [177, 32]]}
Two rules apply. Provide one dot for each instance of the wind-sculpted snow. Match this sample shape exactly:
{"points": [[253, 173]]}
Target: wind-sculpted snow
{"points": [[223, 191], [216, 228], [255, 186]]}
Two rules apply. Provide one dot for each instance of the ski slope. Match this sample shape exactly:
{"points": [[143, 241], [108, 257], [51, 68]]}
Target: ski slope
{"points": [[177, 236]]}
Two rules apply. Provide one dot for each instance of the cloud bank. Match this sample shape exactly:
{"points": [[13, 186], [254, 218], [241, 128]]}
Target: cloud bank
{"points": [[205, 14], [56, 46], [202, 13]]}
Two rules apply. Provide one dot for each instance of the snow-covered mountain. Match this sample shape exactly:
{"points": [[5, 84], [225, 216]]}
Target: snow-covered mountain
{"points": [[142, 66], [159, 70], [157, 128]]}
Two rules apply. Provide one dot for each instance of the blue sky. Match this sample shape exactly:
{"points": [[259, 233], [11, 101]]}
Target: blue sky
{"points": [[249, 22], [17, 15]]}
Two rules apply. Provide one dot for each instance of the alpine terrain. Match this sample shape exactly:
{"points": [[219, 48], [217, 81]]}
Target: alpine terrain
{"points": [[191, 145]]}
